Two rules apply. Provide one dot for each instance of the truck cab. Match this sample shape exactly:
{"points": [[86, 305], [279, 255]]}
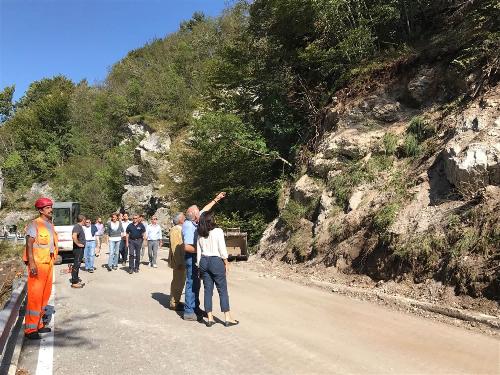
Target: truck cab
{"points": [[64, 217]]}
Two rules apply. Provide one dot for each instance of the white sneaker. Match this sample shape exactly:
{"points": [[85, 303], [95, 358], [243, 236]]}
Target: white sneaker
{"points": [[155, 266]]}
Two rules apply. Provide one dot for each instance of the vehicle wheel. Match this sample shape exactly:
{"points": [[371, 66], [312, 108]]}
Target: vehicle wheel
{"points": [[58, 260]]}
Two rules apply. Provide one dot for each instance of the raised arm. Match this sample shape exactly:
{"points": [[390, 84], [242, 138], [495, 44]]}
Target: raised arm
{"points": [[210, 204]]}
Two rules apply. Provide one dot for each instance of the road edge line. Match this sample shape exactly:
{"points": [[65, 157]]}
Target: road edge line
{"points": [[45, 364]]}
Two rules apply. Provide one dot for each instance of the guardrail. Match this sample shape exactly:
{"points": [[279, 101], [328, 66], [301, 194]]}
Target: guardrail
{"points": [[10, 314]]}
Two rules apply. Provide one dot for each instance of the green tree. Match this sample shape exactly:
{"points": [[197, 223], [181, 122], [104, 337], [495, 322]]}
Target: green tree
{"points": [[6, 103]]}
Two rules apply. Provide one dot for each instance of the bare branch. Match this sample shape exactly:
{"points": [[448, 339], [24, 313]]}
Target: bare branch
{"points": [[269, 155]]}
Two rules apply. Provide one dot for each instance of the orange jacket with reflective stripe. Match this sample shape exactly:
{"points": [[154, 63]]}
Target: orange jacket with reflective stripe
{"points": [[45, 242]]}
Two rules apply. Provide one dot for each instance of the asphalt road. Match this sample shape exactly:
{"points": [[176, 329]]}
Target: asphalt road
{"points": [[120, 324]]}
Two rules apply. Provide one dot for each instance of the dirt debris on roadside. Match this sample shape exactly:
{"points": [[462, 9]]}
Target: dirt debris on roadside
{"points": [[361, 288]]}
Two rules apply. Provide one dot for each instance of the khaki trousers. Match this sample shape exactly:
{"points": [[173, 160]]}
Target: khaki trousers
{"points": [[176, 286]]}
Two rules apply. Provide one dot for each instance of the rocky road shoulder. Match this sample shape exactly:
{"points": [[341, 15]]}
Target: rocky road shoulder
{"points": [[429, 299]]}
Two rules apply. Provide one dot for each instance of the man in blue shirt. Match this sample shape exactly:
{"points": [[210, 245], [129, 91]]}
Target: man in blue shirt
{"points": [[189, 238]]}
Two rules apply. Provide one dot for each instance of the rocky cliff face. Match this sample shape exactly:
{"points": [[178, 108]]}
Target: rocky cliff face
{"points": [[142, 193], [403, 184]]}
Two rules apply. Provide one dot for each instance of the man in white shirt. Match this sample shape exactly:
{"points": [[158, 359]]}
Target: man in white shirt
{"points": [[123, 247], [154, 238], [90, 231]]}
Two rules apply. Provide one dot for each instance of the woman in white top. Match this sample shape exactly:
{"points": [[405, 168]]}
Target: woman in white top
{"points": [[212, 259]]}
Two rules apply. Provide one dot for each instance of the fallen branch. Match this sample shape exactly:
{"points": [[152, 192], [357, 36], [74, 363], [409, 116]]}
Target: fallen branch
{"points": [[269, 155]]}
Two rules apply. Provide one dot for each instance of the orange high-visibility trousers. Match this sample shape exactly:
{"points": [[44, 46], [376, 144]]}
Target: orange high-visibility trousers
{"points": [[39, 290]]}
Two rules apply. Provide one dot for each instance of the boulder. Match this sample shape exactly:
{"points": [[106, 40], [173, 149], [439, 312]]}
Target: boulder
{"points": [[471, 157], [388, 112], [381, 108], [164, 218], [133, 175], [474, 167], [156, 142], [137, 130], [355, 199], [351, 143], [423, 86], [306, 189], [137, 199]]}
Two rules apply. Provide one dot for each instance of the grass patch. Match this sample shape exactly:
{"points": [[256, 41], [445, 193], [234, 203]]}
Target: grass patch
{"points": [[421, 252], [421, 128], [344, 183], [294, 211], [10, 250], [411, 146], [385, 217], [390, 143]]}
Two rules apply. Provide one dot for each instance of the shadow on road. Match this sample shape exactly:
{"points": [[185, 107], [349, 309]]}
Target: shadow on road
{"points": [[164, 300]]}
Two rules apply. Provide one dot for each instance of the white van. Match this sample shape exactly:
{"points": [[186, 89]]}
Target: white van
{"points": [[64, 217]]}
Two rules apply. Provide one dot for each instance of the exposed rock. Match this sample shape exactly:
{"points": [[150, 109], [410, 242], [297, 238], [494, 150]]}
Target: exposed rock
{"points": [[133, 175], [273, 241], [137, 198], [156, 142], [38, 190], [423, 85], [306, 189], [355, 199], [151, 152], [326, 203], [471, 158], [320, 166], [137, 130], [388, 112], [382, 108], [350, 143], [15, 217], [474, 167], [164, 218]]}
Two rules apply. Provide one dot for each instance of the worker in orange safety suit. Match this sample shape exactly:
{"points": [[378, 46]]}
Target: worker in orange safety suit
{"points": [[39, 255]]}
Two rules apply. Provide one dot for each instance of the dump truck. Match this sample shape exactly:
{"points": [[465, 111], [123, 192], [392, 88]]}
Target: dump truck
{"points": [[64, 217], [236, 243]]}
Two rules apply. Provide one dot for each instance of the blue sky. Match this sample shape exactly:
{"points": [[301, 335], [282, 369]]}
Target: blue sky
{"points": [[82, 38]]}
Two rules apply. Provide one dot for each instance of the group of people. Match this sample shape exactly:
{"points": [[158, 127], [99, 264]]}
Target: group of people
{"points": [[197, 251], [126, 239]]}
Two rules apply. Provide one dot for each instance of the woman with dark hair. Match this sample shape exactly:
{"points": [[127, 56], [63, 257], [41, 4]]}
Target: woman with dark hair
{"points": [[212, 260]]}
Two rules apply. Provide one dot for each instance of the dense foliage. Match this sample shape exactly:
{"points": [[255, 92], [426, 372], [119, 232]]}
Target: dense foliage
{"points": [[256, 77]]}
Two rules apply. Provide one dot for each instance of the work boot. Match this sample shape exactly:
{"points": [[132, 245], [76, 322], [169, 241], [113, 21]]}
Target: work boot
{"points": [[44, 330], [78, 285], [33, 336]]}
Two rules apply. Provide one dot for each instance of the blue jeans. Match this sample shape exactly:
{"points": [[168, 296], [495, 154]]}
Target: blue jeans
{"points": [[89, 254], [213, 271], [114, 248], [192, 292]]}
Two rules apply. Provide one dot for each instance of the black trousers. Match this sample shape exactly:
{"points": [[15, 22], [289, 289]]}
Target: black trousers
{"points": [[77, 261], [134, 250], [123, 251]]}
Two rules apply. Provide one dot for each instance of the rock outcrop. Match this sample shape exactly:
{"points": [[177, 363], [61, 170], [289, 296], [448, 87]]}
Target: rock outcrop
{"points": [[472, 157], [142, 191], [391, 211]]}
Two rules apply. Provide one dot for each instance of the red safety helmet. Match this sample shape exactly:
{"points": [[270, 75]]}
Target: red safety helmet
{"points": [[43, 202]]}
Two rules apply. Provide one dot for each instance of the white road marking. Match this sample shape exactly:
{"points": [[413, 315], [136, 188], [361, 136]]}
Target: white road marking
{"points": [[46, 352]]}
